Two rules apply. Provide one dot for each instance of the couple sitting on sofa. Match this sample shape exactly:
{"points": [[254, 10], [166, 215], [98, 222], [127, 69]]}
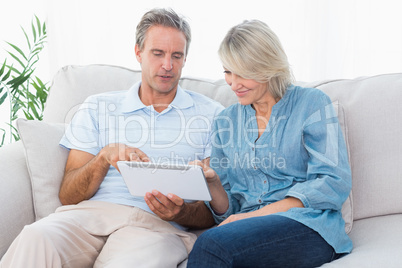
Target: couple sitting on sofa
{"points": [[276, 166]]}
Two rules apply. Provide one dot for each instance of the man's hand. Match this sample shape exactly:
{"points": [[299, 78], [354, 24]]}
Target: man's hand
{"points": [[168, 208], [120, 152], [172, 208], [85, 172]]}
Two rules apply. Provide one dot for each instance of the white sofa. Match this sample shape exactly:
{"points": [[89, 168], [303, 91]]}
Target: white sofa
{"points": [[370, 114]]}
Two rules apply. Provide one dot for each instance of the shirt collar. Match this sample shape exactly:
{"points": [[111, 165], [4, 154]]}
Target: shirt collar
{"points": [[132, 101]]}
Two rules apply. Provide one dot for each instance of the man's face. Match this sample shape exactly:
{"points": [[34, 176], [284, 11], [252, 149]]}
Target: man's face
{"points": [[162, 59]]}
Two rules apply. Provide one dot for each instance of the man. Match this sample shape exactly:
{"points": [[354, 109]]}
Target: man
{"points": [[101, 224]]}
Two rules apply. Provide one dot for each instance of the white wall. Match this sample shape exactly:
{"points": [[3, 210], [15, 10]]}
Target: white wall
{"points": [[324, 39]]}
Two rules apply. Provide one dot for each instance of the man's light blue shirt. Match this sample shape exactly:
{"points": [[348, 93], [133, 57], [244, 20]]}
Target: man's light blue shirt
{"points": [[301, 154], [179, 134]]}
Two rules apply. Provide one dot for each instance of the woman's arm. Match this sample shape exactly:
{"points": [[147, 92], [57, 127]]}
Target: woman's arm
{"points": [[220, 201], [279, 206], [328, 175]]}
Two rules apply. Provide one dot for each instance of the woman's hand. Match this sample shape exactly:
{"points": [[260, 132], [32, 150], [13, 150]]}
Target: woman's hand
{"points": [[209, 173], [240, 216], [220, 201]]}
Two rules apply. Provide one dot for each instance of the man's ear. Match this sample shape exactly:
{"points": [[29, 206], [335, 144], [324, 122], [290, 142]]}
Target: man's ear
{"points": [[138, 53]]}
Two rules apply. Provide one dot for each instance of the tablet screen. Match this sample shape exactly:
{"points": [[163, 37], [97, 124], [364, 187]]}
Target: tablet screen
{"points": [[186, 181]]}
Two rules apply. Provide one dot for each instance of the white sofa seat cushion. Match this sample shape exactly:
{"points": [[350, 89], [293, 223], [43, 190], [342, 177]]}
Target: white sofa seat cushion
{"points": [[376, 243]]}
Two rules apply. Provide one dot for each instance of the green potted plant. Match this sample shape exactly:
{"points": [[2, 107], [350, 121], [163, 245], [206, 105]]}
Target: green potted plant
{"points": [[25, 92]]}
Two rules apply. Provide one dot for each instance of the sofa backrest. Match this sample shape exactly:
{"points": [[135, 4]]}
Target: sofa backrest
{"points": [[73, 84], [368, 109], [373, 119]]}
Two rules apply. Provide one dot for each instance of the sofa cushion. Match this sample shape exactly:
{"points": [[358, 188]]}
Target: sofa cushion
{"points": [[376, 243], [347, 207], [45, 161], [16, 209], [218, 90], [72, 84], [373, 109]]}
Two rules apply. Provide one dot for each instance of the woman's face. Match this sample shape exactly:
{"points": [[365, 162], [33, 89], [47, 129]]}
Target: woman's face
{"points": [[248, 91]]}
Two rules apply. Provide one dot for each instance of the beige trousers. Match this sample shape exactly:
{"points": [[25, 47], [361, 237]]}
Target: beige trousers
{"points": [[99, 234]]}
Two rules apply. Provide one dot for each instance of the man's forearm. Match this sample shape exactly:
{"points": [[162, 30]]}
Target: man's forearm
{"points": [[196, 215], [81, 183]]}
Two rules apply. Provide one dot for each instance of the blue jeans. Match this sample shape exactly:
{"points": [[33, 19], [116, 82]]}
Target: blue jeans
{"points": [[268, 241]]}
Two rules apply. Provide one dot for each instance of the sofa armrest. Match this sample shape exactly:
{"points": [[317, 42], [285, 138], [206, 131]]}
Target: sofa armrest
{"points": [[16, 209]]}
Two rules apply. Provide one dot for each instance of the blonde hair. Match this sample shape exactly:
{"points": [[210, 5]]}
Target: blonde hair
{"points": [[253, 51]]}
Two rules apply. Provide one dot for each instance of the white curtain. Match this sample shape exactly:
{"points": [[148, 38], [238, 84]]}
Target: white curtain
{"points": [[324, 39]]}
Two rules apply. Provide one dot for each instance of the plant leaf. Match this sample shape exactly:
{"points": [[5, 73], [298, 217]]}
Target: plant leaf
{"points": [[26, 38], [36, 86], [34, 62], [42, 40], [17, 106], [38, 25], [33, 31], [3, 67], [36, 50], [35, 112], [6, 76], [13, 69], [18, 49], [3, 136], [30, 67], [32, 98], [12, 127], [19, 80], [28, 116], [42, 85], [17, 59], [27, 94], [3, 98], [14, 117], [16, 136], [44, 29], [41, 91]]}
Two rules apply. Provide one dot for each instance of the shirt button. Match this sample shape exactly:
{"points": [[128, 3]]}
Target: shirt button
{"points": [[259, 201], [265, 182], [255, 167], [252, 149]]}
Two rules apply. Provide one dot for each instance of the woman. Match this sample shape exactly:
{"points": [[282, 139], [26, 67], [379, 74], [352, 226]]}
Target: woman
{"points": [[279, 170]]}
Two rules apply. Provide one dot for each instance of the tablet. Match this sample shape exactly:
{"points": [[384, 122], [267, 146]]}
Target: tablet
{"points": [[186, 181]]}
